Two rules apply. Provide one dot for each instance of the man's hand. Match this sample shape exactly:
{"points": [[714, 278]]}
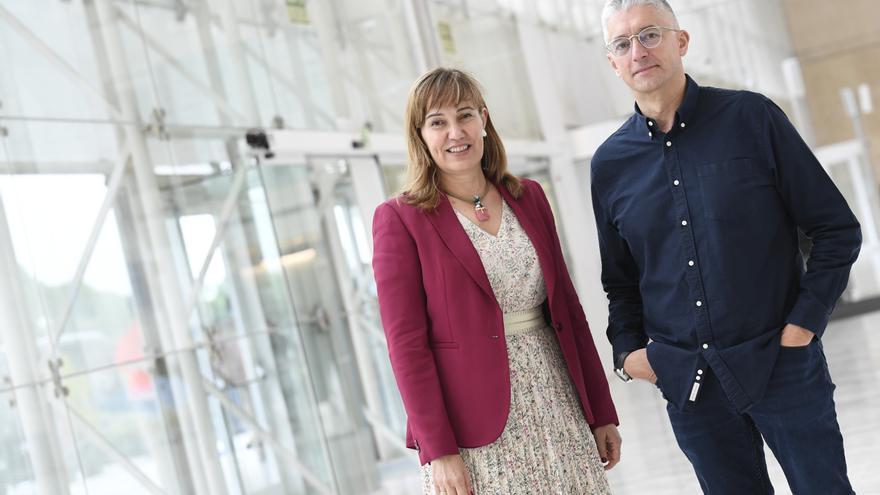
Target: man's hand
{"points": [[636, 365], [608, 444], [795, 336], [451, 476]]}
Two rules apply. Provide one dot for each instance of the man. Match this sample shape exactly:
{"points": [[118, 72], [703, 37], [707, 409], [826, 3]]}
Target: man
{"points": [[698, 200]]}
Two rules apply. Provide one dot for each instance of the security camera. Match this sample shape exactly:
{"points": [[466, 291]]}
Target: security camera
{"points": [[258, 140]]}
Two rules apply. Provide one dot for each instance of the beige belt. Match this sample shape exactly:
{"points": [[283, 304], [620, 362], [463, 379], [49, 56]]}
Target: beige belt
{"points": [[520, 322]]}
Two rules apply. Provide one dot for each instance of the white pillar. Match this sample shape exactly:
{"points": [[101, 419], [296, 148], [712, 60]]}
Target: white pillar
{"points": [[18, 336], [573, 195], [797, 97], [196, 403], [367, 180]]}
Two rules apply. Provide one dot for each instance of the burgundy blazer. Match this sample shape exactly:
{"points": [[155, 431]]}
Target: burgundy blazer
{"points": [[445, 329]]}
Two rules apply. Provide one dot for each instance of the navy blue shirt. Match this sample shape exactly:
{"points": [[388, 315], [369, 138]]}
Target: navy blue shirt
{"points": [[698, 234]]}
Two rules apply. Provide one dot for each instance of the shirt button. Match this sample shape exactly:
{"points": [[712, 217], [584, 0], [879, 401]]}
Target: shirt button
{"points": [[698, 377], [675, 182], [684, 222], [699, 372], [699, 303], [650, 134], [682, 124], [705, 346], [690, 262], [668, 143], [650, 123]]}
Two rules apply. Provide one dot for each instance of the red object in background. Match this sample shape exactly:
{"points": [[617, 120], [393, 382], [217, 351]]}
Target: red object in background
{"points": [[130, 348]]}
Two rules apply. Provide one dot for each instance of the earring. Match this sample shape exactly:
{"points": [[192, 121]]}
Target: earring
{"points": [[485, 133]]}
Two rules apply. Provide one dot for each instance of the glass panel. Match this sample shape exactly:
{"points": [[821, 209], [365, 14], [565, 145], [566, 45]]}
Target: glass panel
{"points": [[229, 64], [364, 315], [376, 62], [303, 206], [395, 177], [121, 417], [251, 348], [285, 65], [169, 52], [50, 67], [487, 44], [16, 470], [539, 170]]}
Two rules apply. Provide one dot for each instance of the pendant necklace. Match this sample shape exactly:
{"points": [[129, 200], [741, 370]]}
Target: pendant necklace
{"points": [[481, 212]]}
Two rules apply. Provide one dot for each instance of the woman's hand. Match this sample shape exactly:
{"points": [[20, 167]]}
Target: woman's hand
{"points": [[608, 443], [450, 475]]}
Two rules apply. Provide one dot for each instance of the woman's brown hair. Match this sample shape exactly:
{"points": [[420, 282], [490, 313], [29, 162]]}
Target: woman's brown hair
{"points": [[438, 88]]}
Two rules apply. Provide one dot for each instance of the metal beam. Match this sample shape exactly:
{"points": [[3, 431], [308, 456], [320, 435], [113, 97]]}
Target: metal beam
{"points": [[18, 336], [280, 449], [220, 100], [206, 468], [222, 221], [106, 446], [109, 199], [56, 59], [291, 86]]}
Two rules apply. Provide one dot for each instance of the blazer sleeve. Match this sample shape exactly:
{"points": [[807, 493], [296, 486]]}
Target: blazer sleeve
{"points": [[403, 310], [595, 379]]}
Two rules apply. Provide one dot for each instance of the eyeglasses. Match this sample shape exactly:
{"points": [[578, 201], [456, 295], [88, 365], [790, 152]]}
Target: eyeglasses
{"points": [[649, 37]]}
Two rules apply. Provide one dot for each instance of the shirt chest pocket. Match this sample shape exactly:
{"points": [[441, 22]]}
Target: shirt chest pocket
{"points": [[736, 190]]}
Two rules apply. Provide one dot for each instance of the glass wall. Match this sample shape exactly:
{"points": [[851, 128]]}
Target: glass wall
{"points": [[176, 326], [180, 315]]}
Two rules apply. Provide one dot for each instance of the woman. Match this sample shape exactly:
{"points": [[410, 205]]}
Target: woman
{"points": [[470, 272]]}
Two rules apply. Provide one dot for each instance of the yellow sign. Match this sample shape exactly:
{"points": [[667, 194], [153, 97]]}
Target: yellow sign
{"points": [[296, 11], [444, 31]]}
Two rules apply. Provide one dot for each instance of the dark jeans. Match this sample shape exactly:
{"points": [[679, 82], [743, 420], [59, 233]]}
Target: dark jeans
{"points": [[796, 417]]}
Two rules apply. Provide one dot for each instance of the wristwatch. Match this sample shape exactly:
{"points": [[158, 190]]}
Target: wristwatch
{"points": [[618, 367]]}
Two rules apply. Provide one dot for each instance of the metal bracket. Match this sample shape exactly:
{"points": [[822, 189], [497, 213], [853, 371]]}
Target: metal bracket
{"points": [[55, 369], [157, 126], [7, 382]]}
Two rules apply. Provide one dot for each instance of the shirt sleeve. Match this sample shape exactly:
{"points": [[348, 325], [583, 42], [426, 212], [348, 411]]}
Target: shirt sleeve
{"points": [[819, 209], [620, 280], [403, 310]]}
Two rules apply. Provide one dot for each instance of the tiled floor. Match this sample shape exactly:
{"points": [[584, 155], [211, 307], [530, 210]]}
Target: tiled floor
{"points": [[653, 465]]}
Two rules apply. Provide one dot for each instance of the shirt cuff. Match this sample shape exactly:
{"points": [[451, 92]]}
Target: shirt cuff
{"points": [[626, 342], [809, 313]]}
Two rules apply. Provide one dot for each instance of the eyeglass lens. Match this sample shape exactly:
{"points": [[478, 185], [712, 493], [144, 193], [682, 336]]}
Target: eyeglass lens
{"points": [[649, 38]]}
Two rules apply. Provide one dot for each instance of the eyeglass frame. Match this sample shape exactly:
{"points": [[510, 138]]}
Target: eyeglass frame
{"points": [[636, 36]]}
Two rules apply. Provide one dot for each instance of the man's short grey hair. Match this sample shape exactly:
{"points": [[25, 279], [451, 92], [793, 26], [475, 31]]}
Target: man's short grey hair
{"points": [[614, 6]]}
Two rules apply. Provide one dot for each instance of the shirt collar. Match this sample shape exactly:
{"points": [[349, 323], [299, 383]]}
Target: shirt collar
{"points": [[683, 114]]}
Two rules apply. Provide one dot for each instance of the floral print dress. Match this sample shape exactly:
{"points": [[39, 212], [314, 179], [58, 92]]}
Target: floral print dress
{"points": [[547, 446]]}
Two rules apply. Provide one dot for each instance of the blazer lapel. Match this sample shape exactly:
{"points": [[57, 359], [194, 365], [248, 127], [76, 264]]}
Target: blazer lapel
{"points": [[457, 240], [528, 220]]}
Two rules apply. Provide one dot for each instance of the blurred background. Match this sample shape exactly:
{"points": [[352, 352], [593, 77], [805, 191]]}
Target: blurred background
{"points": [[182, 312]]}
